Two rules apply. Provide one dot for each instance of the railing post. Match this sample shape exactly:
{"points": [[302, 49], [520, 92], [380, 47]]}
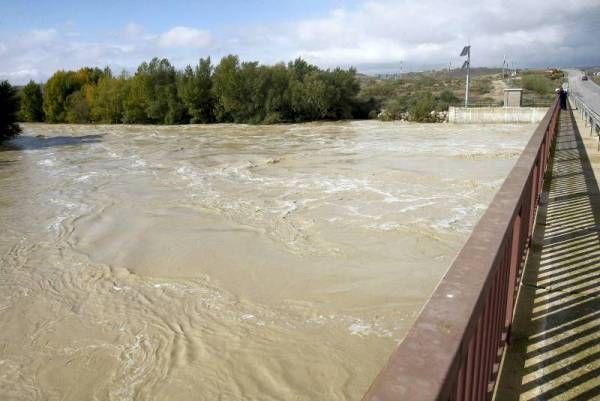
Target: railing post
{"points": [[515, 259], [534, 197]]}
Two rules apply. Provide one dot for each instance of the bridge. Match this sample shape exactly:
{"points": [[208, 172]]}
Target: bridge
{"points": [[517, 315]]}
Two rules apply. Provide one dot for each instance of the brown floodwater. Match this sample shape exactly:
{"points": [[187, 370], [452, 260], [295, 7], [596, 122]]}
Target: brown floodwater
{"points": [[228, 262]]}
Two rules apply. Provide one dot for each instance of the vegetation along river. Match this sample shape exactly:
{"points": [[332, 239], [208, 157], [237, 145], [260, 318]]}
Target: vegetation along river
{"points": [[228, 262]]}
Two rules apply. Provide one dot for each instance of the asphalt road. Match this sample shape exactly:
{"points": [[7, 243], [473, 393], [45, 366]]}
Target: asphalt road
{"points": [[588, 91]]}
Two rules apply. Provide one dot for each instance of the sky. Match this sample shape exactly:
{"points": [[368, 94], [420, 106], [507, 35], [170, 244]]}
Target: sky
{"points": [[375, 36]]}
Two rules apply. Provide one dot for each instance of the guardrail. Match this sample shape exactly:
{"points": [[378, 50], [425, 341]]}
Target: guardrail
{"points": [[453, 350], [536, 101], [589, 116]]}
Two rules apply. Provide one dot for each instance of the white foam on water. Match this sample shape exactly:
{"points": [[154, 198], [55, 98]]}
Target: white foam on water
{"points": [[47, 162], [415, 207], [138, 162], [86, 177], [360, 329]]}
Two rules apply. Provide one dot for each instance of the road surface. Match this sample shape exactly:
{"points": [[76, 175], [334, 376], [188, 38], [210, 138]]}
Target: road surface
{"points": [[588, 91]]}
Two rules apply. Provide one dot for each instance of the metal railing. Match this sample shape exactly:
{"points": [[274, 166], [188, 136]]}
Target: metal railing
{"points": [[589, 116], [485, 104], [453, 350], [536, 101]]}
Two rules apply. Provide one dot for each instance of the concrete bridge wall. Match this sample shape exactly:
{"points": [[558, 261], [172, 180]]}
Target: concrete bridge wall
{"points": [[491, 115]]}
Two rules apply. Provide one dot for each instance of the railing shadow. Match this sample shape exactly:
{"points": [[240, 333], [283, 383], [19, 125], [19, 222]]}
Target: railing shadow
{"points": [[555, 347]]}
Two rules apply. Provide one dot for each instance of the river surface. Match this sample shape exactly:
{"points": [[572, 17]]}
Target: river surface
{"points": [[228, 262]]}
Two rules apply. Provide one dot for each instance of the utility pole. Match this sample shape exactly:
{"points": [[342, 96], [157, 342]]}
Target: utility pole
{"points": [[468, 78], [466, 51]]}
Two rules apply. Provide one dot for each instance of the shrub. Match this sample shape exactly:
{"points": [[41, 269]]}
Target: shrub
{"points": [[446, 99], [538, 83], [423, 106]]}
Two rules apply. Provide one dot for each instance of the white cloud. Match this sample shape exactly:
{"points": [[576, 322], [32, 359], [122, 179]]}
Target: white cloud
{"points": [[373, 35], [181, 36], [39, 53], [41, 35], [20, 74], [432, 32], [133, 30]]}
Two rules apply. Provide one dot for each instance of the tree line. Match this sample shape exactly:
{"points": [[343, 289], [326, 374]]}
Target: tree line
{"points": [[231, 91], [9, 108]]}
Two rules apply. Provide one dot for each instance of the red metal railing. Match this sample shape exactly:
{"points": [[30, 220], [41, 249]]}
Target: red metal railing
{"points": [[453, 350]]}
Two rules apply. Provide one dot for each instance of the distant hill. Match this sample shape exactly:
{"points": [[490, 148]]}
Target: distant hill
{"points": [[455, 73]]}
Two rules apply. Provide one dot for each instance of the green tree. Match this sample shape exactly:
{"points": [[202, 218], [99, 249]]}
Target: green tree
{"points": [[317, 94], [342, 88], [240, 91], [106, 100], [152, 96], [309, 97], [31, 103], [134, 100], [9, 107], [195, 91], [225, 89], [89, 75], [252, 93], [57, 90], [163, 106], [233, 92], [76, 108], [299, 69], [277, 102]]}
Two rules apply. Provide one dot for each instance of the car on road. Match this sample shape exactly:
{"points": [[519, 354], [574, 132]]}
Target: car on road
{"points": [[584, 77]]}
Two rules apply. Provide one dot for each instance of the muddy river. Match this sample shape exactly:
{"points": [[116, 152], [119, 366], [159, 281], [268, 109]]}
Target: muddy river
{"points": [[228, 262]]}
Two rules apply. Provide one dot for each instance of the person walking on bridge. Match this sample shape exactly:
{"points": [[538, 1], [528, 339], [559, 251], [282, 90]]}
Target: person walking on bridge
{"points": [[562, 94]]}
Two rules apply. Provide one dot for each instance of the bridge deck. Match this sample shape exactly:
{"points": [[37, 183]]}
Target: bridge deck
{"points": [[555, 347]]}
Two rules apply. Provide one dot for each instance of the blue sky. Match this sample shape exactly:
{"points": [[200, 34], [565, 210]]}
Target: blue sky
{"points": [[98, 17], [39, 37]]}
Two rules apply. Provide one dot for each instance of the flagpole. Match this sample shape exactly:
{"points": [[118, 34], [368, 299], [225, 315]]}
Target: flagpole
{"points": [[466, 51], [468, 76]]}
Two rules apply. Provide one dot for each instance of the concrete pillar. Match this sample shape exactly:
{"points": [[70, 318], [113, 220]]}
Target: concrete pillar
{"points": [[513, 97]]}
